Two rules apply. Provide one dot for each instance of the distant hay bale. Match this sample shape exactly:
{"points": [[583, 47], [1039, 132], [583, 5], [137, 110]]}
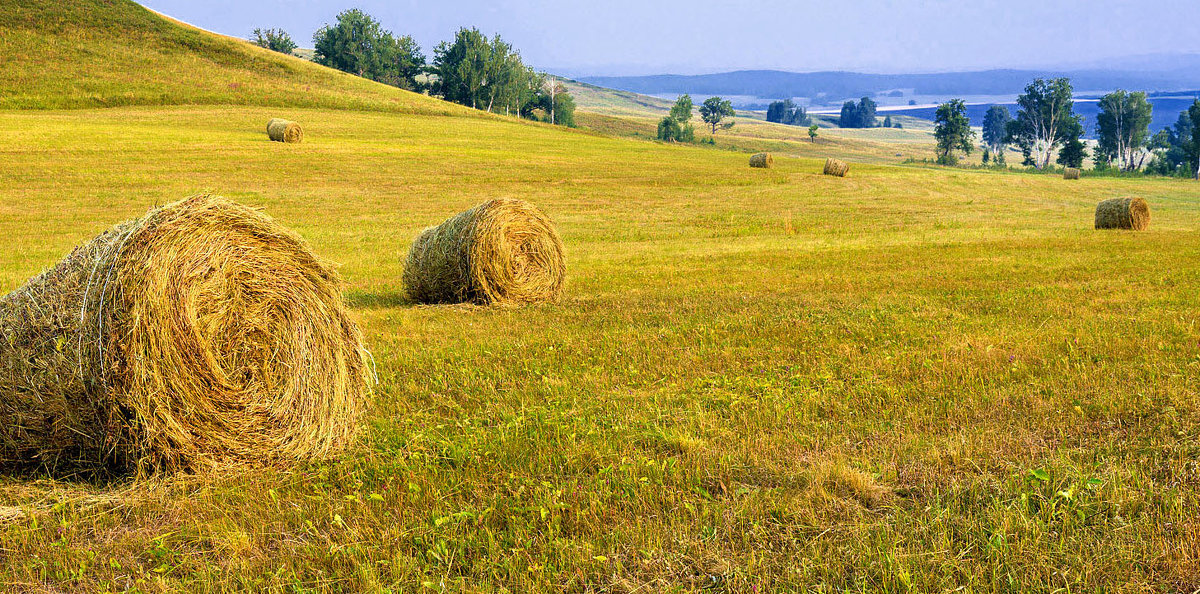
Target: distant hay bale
{"points": [[502, 251], [201, 333], [1071, 173], [281, 130], [762, 160], [836, 167], [1123, 213]]}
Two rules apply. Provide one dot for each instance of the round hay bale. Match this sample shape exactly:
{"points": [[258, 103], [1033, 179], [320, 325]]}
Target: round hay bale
{"points": [[201, 333], [1123, 213], [1071, 173], [836, 167], [281, 130], [502, 251], [762, 160]]}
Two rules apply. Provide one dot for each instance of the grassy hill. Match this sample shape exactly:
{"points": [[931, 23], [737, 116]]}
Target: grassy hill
{"points": [[106, 53], [908, 380]]}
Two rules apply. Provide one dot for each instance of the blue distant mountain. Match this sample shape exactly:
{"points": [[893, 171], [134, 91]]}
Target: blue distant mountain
{"points": [[1176, 73]]}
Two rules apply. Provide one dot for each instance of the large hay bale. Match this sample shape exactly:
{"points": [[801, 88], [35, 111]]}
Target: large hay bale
{"points": [[502, 251], [1071, 173], [762, 160], [284, 131], [836, 167], [201, 333], [1123, 213]]}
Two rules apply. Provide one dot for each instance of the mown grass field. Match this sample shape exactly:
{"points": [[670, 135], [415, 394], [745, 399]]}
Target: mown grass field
{"points": [[906, 380]]}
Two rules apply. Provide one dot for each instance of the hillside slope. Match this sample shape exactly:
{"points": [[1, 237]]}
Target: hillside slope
{"points": [[105, 53]]}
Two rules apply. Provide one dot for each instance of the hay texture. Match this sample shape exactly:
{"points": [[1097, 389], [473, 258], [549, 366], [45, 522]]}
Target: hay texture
{"points": [[284, 131], [1123, 213], [201, 333], [762, 160], [836, 167], [1070, 173], [504, 251]]}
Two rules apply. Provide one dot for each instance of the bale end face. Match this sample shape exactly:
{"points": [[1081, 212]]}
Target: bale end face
{"points": [[836, 168], [1071, 173], [762, 160], [503, 251], [1123, 213], [280, 130], [201, 333]]}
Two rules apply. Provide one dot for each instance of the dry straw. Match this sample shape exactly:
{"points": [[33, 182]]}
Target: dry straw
{"points": [[762, 160], [284, 131], [1123, 213], [502, 251], [1071, 173], [201, 333], [836, 167]]}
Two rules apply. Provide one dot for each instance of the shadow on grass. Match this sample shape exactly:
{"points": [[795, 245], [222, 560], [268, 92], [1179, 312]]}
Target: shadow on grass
{"points": [[365, 300]]}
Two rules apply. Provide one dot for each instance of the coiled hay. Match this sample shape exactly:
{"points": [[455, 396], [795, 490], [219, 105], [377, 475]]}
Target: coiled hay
{"points": [[201, 333], [762, 160], [1123, 213], [1071, 173], [502, 251], [836, 167], [284, 131]]}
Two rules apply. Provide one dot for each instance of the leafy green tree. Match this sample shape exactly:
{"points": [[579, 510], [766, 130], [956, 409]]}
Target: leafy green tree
{"points": [[489, 74], [1123, 128], [682, 110], [1073, 150], [849, 116], [1170, 147], [887, 122], [987, 155], [812, 133], [787, 112], [714, 110], [953, 131], [274, 39], [858, 115], [359, 45], [1193, 145], [995, 123], [676, 126], [1044, 117]]}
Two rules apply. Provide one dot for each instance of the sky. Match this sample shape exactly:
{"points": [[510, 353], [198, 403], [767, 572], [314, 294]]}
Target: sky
{"points": [[634, 37]]}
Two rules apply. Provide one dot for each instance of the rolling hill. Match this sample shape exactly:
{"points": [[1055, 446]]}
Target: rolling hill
{"points": [[106, 53]]}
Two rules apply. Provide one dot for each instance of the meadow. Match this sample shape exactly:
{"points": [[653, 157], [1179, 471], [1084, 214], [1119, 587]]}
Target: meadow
{"points": [[758, 380], [912, 379]]}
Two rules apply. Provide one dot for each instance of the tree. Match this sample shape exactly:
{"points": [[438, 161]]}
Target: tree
{"points": [[1123, 128], [995, 122], [1045, 110], [812, 133], [489, 74], [987, 155], [274, 39], [787, 112], [1193, 146], [359, 45], [676, 126], [887, 122], [1170, 147], [858, 115], [714, 110], [953, 131]]}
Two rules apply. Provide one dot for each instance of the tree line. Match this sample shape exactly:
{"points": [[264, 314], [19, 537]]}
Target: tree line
{"points": [[1047, 127], [472, 69]]}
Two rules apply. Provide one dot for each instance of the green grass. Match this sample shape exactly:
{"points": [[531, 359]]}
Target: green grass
{"points": [[105, 53], [906, 380]]}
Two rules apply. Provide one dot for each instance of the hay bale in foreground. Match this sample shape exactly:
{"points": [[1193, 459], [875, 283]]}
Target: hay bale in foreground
{"points": [[1123, 213], [203, 332], [836, 167], [284, 131], [762, 160], [1071, 173], [502, 251]]}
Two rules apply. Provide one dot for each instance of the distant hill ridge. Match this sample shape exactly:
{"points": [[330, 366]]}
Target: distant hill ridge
{"points": [[841, 85], [58, 54]]}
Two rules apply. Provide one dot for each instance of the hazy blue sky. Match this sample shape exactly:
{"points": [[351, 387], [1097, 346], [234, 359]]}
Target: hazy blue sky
{"points": [[647, 36]]}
